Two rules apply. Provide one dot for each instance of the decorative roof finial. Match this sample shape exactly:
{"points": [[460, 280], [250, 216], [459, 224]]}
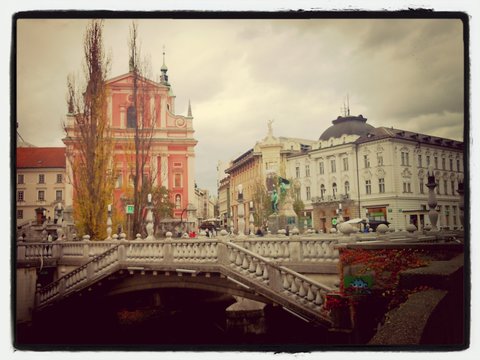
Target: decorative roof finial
{"points": [[189, 114], [164, 69]]}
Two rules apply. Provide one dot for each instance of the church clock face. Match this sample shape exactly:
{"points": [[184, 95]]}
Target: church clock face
{"points": [[180, 122]]}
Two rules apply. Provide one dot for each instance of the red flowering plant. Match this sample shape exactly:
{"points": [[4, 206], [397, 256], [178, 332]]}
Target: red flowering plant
{"points": [[384, 265], [335, 300]]}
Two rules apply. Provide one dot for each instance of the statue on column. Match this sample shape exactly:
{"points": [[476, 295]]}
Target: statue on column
{"points": [[275, 201]]}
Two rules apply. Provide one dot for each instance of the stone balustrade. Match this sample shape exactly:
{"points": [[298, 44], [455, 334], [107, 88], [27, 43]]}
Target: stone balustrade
{"points": [[307, 249], [257, 272]]}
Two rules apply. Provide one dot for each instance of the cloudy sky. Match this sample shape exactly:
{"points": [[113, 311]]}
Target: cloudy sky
{"points": [[238, 74]]}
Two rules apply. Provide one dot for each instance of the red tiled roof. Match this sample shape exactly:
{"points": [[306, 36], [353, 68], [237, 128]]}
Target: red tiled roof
{"points": [[41, 157]]}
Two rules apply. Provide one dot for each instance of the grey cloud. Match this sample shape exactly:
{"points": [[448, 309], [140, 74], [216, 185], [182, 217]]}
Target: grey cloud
{"points": [[238, 74]]}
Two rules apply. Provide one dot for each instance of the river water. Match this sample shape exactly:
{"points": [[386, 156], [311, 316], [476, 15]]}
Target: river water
{"points": [[170, 319]]}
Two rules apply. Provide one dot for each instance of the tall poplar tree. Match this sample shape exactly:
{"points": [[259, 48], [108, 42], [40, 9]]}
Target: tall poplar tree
{"points": [[145, 114], [91, 158]]}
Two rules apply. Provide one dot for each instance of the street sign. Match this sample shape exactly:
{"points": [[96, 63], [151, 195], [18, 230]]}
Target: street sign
{"points": [[130, 209], [334, 221]]}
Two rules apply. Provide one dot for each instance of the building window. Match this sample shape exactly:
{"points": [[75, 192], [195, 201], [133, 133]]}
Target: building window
{"points": [[321, 168], [177, 180], [451, 164], [366, 161], [419, 160], [20, 195], [422, 187], [452, 185], [307, 170], [131, 117], [59, 178], [298, 194], [178, 200], [405, 158], [428, 160], [308, 193], [297, 172], [381, 185], [334, 189], [435, 162], [458, 165], [41, 178], [454, 215], [41, 195], [322, 191], [20, 179], [380, 160], [437, 188], [345, 164], [445, 187], [333, 165], [58, 195], [19, 214], [368, 187], [407, 187], [443, 163], [347, 188]]}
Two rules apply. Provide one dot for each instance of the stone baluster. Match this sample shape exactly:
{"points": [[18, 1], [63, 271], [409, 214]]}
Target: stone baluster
{"points": [[432, 199]]}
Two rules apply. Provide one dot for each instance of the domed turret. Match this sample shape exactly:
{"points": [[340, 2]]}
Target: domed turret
{"points": [[347, 125]]}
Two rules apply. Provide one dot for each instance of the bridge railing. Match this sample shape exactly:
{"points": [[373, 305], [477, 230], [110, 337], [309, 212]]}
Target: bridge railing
{"points": [[266, 276], [299, 289], [85, 274], [285, 249]]}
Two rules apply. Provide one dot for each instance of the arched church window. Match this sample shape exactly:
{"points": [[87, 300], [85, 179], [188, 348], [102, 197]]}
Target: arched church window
{"points": [[334, 188], [347, 187], [131, 117], [322, 191], [178, 200]]}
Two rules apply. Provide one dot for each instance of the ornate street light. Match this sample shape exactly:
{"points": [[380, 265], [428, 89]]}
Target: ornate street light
{"points": [[109, 222], [432, 198], [150, 225], [461, 204]]}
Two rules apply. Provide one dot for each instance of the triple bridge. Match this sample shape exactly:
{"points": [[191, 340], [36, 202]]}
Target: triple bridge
{"points": [[281, 271]]}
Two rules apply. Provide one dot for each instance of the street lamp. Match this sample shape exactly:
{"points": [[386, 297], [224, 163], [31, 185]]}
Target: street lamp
{"points": [[432, 198], [367, 225], [461, 204], [149, 227], [251, 220]]}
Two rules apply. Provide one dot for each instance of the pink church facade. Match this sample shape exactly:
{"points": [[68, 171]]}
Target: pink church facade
{"points": [[171, 157]]}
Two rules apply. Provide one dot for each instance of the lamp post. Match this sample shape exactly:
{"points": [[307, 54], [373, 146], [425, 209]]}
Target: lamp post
{"points": [[461, 204], [109, 222], [340, 213], [59, 212], [367, 225], [44, 226], [251, 220], [432, 199], [150, 225], [241, 212]]}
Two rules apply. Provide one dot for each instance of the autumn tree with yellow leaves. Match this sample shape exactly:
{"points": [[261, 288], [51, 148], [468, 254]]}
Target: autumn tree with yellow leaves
{"points": [[91, 158]]}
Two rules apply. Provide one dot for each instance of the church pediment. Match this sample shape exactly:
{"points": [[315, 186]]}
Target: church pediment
{"points": [[127, 80]]}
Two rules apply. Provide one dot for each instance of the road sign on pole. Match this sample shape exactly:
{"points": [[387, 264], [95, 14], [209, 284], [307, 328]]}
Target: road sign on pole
{"points": [[130, 209], [334, 221]]}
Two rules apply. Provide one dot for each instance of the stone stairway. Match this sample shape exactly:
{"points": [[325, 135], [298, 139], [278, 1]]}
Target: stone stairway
{"points": [[292, 290]]}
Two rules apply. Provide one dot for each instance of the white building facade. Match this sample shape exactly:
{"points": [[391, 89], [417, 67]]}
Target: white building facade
{"points": [[377, 174]]}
